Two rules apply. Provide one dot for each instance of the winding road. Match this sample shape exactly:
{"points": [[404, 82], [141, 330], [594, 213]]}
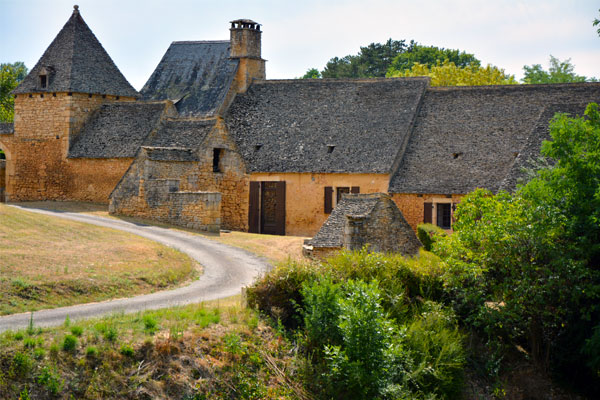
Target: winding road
{"points": [[226, 270]]}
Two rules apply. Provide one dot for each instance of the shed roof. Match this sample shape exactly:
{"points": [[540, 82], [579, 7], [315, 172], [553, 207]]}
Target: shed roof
{"points": [[321, 125], [117, 130], [331, 233], [7, 128], [196, 76], [75, 61], [468, 137]]}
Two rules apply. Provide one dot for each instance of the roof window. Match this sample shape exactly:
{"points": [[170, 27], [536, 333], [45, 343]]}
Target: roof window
{"points": [[257, 147], [456, 155], [330, 148]]}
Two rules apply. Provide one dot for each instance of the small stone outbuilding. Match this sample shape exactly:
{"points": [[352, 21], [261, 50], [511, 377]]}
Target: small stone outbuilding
{"points": [[360, 220]]}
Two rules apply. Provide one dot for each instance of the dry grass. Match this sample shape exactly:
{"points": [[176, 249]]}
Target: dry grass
{"points": [[272, 247], [47, 262]]}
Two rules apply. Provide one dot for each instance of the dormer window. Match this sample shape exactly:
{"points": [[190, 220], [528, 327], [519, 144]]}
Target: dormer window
{"points": [[44, 78]]}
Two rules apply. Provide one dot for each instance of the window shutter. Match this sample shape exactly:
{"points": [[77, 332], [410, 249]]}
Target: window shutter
{"points": [[253, 214], [355, 189], [280, 208], [328, 199], [428, 214]]}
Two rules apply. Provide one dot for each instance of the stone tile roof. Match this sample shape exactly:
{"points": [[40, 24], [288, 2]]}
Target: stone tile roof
{"points": [[7, 128], [321, 125], [531, 150], [468, 137], [196, 76], [172, 154], [117, 130], [180, 133], [331, 233], [76, 62]]}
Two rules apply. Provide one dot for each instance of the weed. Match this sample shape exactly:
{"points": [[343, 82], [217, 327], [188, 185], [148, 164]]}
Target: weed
{"points": [[19, 335], [24, 395], [127, 350], [29, 342], [50, 379], [67, 321], [21, 364], [69, 343], [91, 351], [77, 331], [30, 330], [234, 344], [150, 324], [39, 353]]}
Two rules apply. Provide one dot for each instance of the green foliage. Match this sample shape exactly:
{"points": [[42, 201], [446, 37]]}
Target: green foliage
{"points": [[50, 379], [427, 234], [91, 351], [10, 76], [431, 56], [150, 324], [447, 73], [21, 364], [525, 268], [77, 331], [559, 72], [69, 343], [322, 311], [127, 350], [312, 73], [597, 23]]}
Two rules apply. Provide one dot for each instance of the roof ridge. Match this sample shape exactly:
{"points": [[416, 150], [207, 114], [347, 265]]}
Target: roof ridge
{"points": [[199, 41]]}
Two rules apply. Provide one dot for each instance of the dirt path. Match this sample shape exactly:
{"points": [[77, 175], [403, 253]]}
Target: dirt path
{"points": [[226, 270]]}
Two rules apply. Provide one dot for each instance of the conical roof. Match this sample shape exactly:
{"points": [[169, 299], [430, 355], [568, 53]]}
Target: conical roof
{"points": [[76, 62]]}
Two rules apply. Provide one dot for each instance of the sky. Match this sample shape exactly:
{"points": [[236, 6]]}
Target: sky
{"points": [[302, 34]]}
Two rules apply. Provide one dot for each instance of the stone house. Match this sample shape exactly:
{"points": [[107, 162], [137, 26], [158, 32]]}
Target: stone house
{"points": [[208, 142], [360, 220]]}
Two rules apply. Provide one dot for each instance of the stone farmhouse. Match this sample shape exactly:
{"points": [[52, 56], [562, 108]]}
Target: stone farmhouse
{"points": [[209, 143]]}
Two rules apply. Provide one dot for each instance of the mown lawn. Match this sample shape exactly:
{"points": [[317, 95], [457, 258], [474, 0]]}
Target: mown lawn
{"points": [[48, 262]]}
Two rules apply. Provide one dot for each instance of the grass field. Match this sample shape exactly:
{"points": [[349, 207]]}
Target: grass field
{"points": [[47, 262], [273, 247]]}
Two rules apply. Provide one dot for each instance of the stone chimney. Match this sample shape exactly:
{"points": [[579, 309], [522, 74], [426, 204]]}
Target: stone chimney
{"points": [[245, 46]]}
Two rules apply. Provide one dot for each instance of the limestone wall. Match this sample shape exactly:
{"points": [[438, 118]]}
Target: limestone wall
{"points": [[305, 194], [38, 169], [412, 205]]}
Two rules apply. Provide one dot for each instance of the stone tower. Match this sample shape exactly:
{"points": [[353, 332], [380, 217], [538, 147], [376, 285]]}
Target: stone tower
{"points": [[73, 78], [245, 39]]}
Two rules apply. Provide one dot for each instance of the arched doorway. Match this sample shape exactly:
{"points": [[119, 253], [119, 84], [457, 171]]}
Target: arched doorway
{"points": [[3, 157]]}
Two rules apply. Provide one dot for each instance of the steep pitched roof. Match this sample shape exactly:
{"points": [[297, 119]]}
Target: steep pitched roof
{"points": [[117, 130], [194, 75], [76, 62], [7, 128], [355, 126], [531, 150], [468, 137], [331, 233]]}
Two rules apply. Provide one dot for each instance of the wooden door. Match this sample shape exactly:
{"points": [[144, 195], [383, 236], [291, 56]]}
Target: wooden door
{"points": [[266, 212]]}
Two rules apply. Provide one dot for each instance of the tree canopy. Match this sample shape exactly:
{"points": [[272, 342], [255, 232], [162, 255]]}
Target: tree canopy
{"points": [[597, 23], [558, 72], [10, 76], [450, 74]]}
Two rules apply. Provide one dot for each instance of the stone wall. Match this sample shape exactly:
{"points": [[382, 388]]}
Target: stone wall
{"points": [[305, 194], [38, 168], [2, 179], [134, 194], [412, 205]]}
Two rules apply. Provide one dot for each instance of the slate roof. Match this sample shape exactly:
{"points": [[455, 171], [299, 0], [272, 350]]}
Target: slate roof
{"points": [[117, 130], [194, 75], [468, 137], [172, 154], [7, 128], [77, 62], [531, 150], [290, 125], [331, 233], [180, 133]]}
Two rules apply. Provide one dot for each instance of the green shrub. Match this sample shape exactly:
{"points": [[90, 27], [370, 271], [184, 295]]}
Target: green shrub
{"points": [[50, 379], [127, 350], [91, 351], [77, 331], [150, 324], [321, 313], [39, 353], [69, 343], [428, 234], [21, 364]]}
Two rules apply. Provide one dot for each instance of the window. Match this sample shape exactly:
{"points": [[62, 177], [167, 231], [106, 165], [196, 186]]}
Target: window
{"points": [[439, 213], [328, 203], [444, 215], [44, 81], [217, 155], [339, 192]]}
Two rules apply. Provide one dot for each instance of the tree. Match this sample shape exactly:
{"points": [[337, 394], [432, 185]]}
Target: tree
{"points": [[430, 56], [10, 76], [559, 72], [597, 23], [312, 73], [449, 74], [525, 267]]}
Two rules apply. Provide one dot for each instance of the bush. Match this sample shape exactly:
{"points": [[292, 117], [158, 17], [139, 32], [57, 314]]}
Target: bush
{"points": [[150, 324], [127, 350], [428, 234], [91, 351], [50, 379], [21, 364], [69, 343], [321, 313], [77, 331]]}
